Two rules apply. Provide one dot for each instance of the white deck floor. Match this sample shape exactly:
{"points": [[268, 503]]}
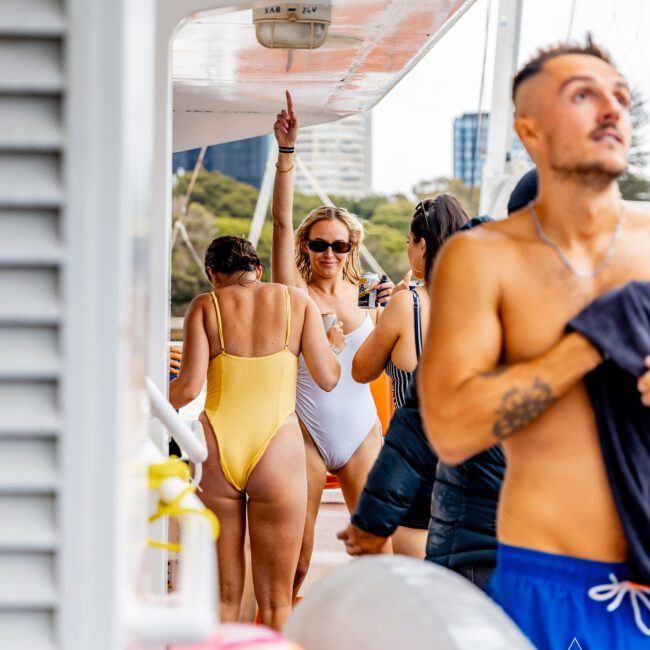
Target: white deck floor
{"points": [[329, 552]]}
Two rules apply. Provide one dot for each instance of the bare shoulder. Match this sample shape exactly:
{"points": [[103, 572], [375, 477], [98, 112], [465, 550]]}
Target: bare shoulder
{"points": [[517, 228], [201, 301], [399, 304], [273, 290], [300, 300], [474, 246], [637, 217], [298, 295], [480, 260], [198, 307], [489, 241]]}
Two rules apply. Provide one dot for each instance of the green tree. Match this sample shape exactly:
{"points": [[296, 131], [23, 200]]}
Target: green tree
{"points": [[440, 185], [188, 279], [388, 246], [395, 214], [302, 206], [240, 228], [220, 194], [635, 186], [220, 205], [364, 208]]}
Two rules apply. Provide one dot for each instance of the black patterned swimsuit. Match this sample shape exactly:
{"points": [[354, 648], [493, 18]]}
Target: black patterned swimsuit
{"points": [[400, 377]]}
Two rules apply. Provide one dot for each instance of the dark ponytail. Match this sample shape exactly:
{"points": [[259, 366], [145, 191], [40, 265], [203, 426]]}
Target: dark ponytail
{"points": [[231, 254], [435, 220]]}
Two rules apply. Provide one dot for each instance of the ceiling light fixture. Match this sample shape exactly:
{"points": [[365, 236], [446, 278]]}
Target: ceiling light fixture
{"points": [[292, 26]]}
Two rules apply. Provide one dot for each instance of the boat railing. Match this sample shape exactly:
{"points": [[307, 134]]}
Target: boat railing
{"points": [[188, 440], [190, 612]]}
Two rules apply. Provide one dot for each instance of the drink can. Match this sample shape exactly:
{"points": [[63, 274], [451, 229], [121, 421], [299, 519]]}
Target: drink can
{"points": [[382, 280], [328, 320], [368, 296]]}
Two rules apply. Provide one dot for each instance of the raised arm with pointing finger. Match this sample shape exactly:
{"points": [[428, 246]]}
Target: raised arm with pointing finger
{"points": [[341, 429], [283, 265]]}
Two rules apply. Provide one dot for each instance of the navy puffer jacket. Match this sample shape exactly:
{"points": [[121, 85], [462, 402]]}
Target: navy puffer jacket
{"points": [[401, 480], [463, 511], [464, 499]]}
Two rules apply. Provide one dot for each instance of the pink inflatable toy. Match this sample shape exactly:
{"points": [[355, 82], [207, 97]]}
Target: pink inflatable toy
{"points": [[236, 636]]}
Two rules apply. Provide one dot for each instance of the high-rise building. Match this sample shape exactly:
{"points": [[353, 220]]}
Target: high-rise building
{"points": [[468, 150], [243, 159], [338, 155]]}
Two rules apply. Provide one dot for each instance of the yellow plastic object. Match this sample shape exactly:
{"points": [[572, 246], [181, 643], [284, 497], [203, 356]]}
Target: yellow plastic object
{"points": [[174, 468], [160, 472]]}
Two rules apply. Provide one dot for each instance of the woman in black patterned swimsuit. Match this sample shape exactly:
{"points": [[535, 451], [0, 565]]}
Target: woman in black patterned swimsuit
{"points": [[396, 342]]}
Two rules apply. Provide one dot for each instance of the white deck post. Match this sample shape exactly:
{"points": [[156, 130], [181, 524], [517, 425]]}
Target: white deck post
{"points": [[107, 163], [169, 14], [264, 196], [497, 169]]}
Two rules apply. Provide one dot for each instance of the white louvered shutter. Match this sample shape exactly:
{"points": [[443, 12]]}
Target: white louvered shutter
{"points": [[31, 196]]}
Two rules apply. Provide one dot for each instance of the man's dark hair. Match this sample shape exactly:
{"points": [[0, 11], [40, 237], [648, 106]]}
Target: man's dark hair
{"points": [[535, 65], [524, 192]]}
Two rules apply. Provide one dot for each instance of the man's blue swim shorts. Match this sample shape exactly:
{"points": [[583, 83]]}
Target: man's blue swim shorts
{"points": [[563, 603]]}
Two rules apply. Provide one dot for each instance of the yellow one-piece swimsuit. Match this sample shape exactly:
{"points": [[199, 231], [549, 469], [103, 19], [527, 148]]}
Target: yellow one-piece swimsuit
{"points": [[247, 401]]}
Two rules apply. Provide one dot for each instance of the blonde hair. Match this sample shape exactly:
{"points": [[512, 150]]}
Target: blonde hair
{"points": [[352, 269]]}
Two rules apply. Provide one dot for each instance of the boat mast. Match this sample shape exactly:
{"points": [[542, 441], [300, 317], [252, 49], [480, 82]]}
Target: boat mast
{"points": [[498, 162]]}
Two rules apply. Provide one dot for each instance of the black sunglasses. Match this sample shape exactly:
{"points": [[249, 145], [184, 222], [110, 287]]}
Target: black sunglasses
{"points": [[423, 206], [338, 246]]}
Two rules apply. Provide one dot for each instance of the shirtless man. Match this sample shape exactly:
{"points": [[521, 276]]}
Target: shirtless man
{"points": [[498, 367]]}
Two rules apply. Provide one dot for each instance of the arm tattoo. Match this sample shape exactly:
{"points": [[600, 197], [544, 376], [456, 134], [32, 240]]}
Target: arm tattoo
{"points": [[495, 372], [520, 407]]}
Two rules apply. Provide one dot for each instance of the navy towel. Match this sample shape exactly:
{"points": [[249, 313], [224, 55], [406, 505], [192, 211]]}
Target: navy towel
{"points": [[618, 324]]}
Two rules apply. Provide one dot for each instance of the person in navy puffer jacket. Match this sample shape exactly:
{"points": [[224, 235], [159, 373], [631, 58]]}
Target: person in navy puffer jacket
{"points": [[462, 529]]}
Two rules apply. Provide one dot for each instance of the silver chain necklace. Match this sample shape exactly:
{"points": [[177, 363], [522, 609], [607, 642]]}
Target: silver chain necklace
{"points": [[581, 273]]}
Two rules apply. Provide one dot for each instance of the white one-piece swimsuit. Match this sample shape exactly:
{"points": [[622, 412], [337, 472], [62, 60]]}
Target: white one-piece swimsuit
{"points": [[338, 421]]}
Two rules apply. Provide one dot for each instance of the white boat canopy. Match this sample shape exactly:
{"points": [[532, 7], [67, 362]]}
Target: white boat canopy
{"points": [[226, 86]]}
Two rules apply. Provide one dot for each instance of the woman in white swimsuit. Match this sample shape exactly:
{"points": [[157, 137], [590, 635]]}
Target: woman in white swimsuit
{"points": [[341, 430]]}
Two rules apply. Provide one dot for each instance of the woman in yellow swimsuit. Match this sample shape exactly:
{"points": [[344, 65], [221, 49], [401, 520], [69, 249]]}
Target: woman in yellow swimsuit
{"points": [[246, 337]]}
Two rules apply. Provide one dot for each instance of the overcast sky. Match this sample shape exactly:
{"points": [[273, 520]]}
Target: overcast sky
{"points": [[413, 125]]}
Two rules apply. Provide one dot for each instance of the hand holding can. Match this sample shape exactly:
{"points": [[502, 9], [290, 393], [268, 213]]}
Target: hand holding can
{"points": [[336, 337], [384, 290], [329, 319], [368, 291]]}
